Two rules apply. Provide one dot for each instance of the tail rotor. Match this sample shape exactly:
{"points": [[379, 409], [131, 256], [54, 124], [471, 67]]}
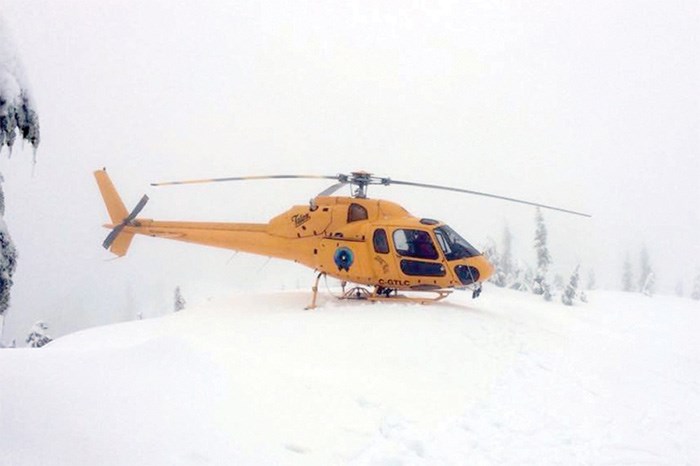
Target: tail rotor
{"points": [[112, 236], [117, 241]]}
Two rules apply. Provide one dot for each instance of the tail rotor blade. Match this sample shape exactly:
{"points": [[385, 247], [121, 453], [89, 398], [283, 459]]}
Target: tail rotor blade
{"points": [[114, 234], [139, 207]]}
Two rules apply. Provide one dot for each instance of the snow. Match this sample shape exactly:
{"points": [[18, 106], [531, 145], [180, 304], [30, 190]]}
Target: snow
{"points": [[255, 379]]}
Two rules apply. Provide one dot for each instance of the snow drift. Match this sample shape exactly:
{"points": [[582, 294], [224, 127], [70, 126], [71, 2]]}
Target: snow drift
{"points": [[254, 379]]}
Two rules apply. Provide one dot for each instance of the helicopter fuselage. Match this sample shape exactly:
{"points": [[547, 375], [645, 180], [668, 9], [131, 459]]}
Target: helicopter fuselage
{"points": [[364, 241]]}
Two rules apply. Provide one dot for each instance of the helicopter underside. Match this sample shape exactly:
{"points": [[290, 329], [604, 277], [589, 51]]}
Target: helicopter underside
{"points": [[380, 293]]}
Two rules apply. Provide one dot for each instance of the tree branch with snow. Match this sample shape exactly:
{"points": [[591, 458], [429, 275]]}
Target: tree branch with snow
{"points": [[18, 115]]}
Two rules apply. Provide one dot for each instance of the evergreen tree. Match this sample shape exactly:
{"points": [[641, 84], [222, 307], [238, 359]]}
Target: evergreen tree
{"points": [[649, 285], [17, 109], [627, 278], [494, 257], [38, 337], [507, 266], [644, 269], [695, 294], [570, 293], [17, 116], [583, 296], [8, 258], [179, 300], [522, 278], [540, 285]]}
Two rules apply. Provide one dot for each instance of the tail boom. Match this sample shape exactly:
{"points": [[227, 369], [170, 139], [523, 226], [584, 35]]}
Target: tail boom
{"points": [[246, 237]]}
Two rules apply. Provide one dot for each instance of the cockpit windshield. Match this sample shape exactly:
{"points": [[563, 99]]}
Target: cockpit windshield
{"points": [[454, 246]]}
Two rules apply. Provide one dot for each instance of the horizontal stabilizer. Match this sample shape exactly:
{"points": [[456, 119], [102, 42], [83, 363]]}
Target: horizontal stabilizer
{"points": [[121, 245]]}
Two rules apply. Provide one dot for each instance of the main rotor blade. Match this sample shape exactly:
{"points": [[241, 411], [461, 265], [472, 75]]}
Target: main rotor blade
{"points": [[495, 196], [331, 189], [245, 178]]}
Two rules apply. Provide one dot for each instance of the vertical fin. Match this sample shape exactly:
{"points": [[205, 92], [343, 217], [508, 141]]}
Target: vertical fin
{"points": [[115, 206]]}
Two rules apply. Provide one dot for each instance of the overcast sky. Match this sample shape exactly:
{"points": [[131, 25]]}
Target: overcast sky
{"points": [[590, 105]]}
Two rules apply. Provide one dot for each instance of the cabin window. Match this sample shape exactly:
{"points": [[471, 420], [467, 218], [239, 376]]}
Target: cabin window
{"points": [[423, 269], [381, 242], [356, 213], [414, 243]]}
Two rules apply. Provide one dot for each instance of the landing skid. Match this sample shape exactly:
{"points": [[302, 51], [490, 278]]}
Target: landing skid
{"points": [[379, 294], [363, 294]]}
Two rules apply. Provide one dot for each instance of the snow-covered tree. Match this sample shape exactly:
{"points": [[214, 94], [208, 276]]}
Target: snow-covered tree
{"points": [[38, 337], [695, 294], [179, 300], [508, 272], [540, 285], [507, 265], [649, 285], [8, 258], [627, 278], [570, 292], [521, 278], [18, 116], [644, 269], [490, 251]]}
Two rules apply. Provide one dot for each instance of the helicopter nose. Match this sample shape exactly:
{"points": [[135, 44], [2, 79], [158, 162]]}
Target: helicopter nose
{"points": [[475, 269], [485, 268]]}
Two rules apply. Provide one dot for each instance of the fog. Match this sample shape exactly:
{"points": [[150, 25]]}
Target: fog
{"points": [[590, 106]]}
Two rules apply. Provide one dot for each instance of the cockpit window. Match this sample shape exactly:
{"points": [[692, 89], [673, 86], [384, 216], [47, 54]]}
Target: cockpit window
{"points": [[414, 243], [454, 246]]}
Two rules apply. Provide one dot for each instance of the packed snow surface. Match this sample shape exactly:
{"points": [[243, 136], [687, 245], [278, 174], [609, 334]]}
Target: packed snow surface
{"points": [[254, 379]]}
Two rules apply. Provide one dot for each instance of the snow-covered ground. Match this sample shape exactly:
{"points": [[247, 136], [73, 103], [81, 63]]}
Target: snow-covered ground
{"points": [[255, 379]]}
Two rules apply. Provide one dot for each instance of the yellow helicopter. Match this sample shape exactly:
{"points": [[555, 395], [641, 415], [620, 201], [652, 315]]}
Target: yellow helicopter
{"points": [[368, 242]]}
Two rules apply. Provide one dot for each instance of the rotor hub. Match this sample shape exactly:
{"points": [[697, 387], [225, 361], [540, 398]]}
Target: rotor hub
{"points": [[361, 180]]}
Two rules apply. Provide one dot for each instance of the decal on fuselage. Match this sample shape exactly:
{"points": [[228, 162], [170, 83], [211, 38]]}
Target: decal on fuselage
{"points": [[394, 282], [382, 263], [344, 258], [300, 219]]}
